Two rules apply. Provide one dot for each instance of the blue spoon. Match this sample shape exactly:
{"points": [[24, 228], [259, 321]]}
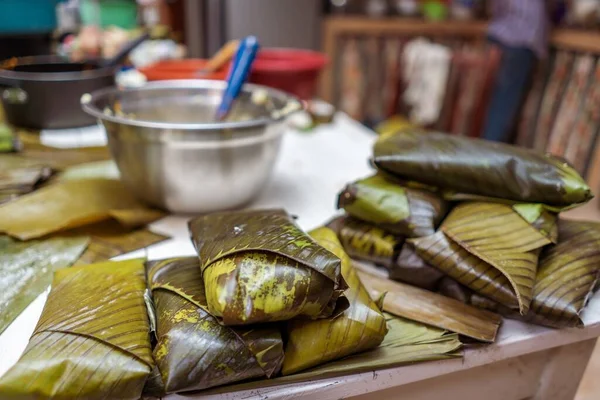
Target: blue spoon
{"points": [[238, 73]]}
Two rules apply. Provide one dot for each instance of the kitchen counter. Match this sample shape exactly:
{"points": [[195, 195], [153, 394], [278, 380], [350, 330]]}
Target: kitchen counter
{"points": [[527, 361]]}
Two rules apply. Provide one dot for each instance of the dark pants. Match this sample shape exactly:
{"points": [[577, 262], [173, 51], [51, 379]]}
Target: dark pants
{"points": [[511, 85]]}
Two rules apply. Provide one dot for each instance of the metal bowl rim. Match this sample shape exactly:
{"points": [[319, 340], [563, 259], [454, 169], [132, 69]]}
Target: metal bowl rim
{"points": [[89, 107]]}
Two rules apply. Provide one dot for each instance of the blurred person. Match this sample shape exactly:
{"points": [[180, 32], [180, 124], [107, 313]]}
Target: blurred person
{"points": [[520, 29]]}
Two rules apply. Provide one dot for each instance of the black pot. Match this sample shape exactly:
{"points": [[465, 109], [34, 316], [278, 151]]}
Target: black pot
{"points": [[45, 92]]}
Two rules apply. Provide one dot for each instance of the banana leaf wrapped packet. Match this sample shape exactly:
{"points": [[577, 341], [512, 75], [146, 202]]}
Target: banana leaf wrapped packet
{"points": [[363, 241], [480, 167], [397, 209], [491, 248], [258, 266], [92, 340], [194, 351], [359, 328]]}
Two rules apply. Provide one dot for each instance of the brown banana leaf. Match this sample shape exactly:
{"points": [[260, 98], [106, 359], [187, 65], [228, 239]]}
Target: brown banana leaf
{"points": [[480, 167], [489, 248], [109, 239], [394, 208], [92, 340], [26, 270], [19, 176], [258, 266], [194, 351], [61, 159], [406, 342], [364, 241], [410, 268], [542, 219], [567, 275], [72, 204], [433, 309], [361, 327]]}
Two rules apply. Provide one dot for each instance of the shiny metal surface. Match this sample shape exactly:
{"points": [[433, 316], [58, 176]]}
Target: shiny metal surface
{"points": [[173, 156]]}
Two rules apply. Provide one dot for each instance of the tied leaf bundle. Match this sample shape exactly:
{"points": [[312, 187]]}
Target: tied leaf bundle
{"points": [[194, 351], [361, 327], [491, 249], [482, 168], [396, 209], [258, 266], [92, 340]]}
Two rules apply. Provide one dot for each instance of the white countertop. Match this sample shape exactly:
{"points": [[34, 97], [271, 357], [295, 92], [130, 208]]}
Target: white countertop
{"points": [[312, 168]]}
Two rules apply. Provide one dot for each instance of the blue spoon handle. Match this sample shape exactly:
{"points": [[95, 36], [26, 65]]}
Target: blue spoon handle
{"points": [[240, 69]]}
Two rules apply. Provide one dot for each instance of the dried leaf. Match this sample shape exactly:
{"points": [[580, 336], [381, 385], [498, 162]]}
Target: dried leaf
{"points": [[92, 339], [71, 204], [394, 208], [194, 351], [258, 266], [480, 167], [26, 270], [361, 327], [110, 239], [490, 248], [433, 309], [567, 275]]}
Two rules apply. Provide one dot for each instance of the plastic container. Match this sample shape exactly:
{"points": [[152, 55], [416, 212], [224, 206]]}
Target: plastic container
{"points": [[291, 70], [181, 69], [121, 13], [27, 16]]}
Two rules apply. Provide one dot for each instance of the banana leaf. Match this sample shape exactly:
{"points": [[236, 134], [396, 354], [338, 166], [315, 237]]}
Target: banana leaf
{"points": [[26, 270], [567, 275], [19, 176], [410, 268], [432, 309], [72, 204], [489, 248], [109, 239], [542, 219], [480, 167], [367, 242], [361, 327], [258, 266], [94, 170], [61, 159], [406, 342], [8, 141], [194, 351], [394, 208], [92, 340]]}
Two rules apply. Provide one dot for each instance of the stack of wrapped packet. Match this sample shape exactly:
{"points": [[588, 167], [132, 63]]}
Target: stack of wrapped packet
{"points": [[218, 318], [477, 221]]}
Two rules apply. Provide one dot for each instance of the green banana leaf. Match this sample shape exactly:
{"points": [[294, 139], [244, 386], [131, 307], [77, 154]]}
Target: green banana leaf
{"points": [[432, 309], [109, 239], [542, 219], [412, 269], [361, 327], [567, 275], [8, 141], [92, 340], [26, 270], [406, 342], [480, 167], [489, 248], [194, 351], [71, 204], [99, 169], [364, 241], [258, 266], [394, 208]]}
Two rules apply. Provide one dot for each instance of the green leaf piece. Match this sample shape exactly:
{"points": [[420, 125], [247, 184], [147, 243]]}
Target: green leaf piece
{"points": [[26, 270], [258, 266], [92, 340]]}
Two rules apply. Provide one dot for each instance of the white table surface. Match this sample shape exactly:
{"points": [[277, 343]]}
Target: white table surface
{"points": [[311, 170]]}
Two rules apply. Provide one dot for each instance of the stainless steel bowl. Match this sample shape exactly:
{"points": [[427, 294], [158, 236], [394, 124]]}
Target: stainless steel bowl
{"points": [[172, 154]]}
